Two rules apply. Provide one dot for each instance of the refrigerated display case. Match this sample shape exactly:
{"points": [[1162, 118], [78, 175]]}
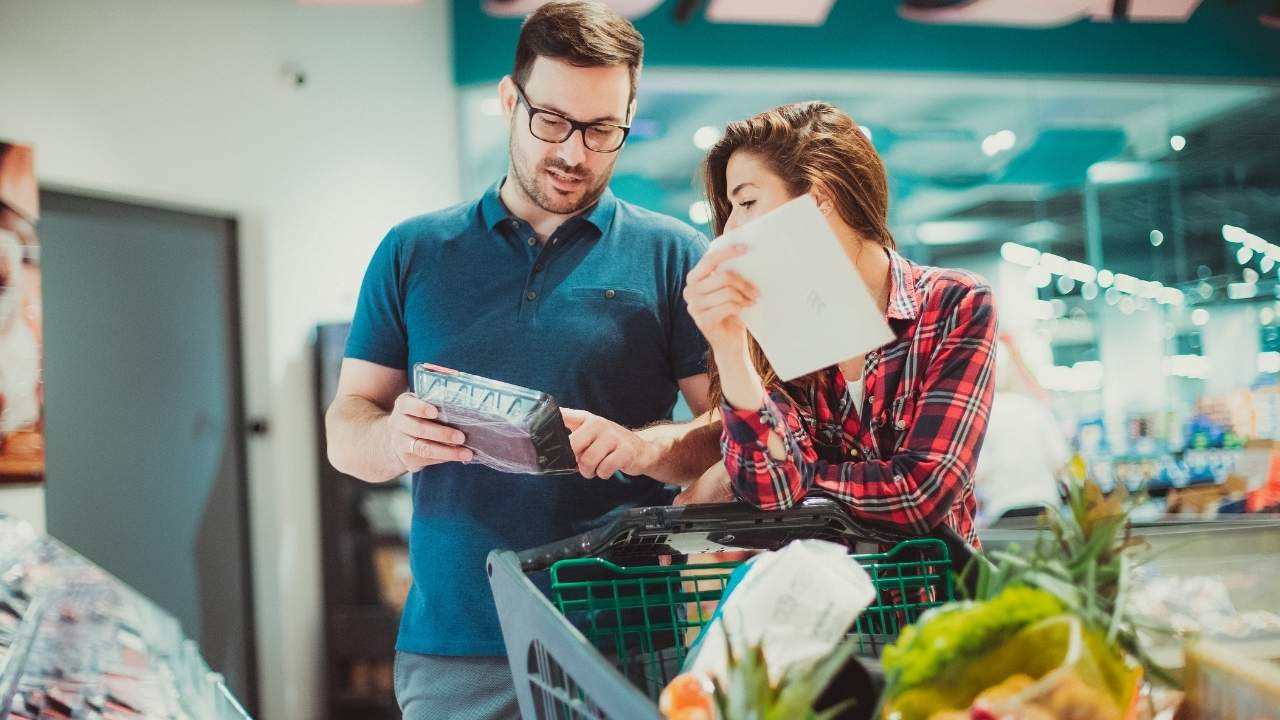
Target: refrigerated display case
{"points": [[77, 642]]}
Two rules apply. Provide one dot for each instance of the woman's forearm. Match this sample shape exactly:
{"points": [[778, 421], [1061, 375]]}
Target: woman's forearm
{"points": [[739, 380]]}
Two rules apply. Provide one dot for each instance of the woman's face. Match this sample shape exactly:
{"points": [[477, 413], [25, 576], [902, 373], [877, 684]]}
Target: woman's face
{"points": [[752, 187]]}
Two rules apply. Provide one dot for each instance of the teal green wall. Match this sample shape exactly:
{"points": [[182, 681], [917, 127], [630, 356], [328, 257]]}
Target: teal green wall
{"points": [[1221, 40]]}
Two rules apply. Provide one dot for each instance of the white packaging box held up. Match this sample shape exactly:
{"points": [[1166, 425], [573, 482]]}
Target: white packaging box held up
{"points": [[813, 310]]}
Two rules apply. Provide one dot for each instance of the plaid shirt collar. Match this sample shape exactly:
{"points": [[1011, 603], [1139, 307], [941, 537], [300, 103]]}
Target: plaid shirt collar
{"points": [[905, 295]]}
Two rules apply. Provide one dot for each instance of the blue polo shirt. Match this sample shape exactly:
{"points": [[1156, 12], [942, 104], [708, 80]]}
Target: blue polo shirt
{"points": [[594, 316]]}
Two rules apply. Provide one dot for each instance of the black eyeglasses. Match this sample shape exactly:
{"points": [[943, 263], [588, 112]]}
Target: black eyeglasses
{"points": [[550, 126]]}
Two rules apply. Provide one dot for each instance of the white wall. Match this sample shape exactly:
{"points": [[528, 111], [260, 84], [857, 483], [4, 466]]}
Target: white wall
{"points": [[25, 502], [182, 102]]}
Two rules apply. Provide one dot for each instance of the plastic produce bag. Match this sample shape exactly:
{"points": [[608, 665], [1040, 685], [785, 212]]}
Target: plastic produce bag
{"points": [[797, 603], [508, 427], [1054, 668]]}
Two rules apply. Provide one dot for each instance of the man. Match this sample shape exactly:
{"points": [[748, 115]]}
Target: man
{"points": [[547, 281]]}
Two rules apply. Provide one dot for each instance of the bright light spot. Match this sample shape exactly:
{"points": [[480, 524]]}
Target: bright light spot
{"points": [[1171, 296], [1089, 291], [1205, 290], [1150, 289], [996, 143], [1250, 275], [1266, 316], [1127, 283], [700, 212], [706, 136], [1059, 307], [1242, 291], [1269, 362], [1127, 305], [1055, 264], [1118, 171], [1039, 277], [1105, 278], [1267, 263], [1019, 254], [1081, 272], [1233, 234], [1188, 366], [1157, 238], [1066, 285], [1199, 317], [1244, 255], [866, 132], [1113, 296], [1177, 142], [1084, 376], [491, 107]]}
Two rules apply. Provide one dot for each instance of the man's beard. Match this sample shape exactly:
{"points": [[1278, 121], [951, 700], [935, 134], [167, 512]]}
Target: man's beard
{"points": [[537, 186]]}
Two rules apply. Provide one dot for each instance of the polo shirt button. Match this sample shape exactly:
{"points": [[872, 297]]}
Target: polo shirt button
{"points": [[900, 425], [871, 400], [610, 294], [531, 295], [533, 241]]}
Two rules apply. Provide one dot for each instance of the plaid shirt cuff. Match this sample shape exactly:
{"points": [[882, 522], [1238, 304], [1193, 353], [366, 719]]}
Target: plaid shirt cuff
{"points": [[752, 427]]}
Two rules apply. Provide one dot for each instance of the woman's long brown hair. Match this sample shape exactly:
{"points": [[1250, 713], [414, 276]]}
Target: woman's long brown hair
{"points": [[811, 146]]}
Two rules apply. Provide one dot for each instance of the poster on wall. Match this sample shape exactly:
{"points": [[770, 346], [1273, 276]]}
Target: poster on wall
{"points": [[21, 377]]}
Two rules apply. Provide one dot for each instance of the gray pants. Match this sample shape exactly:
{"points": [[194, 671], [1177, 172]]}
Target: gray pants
{"points": [[454, 688]]}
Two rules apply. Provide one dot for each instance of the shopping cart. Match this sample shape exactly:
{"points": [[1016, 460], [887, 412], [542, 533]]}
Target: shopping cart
{"points": [[595, 626]]}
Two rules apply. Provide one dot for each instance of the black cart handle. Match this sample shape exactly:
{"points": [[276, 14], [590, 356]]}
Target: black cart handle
{"points": [[742, 525]]}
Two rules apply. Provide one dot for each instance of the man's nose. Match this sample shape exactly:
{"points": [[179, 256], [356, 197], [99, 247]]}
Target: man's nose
{"points": [[572, 151]]}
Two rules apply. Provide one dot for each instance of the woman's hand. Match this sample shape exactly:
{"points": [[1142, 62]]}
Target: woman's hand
{"points": [[716, 297]]}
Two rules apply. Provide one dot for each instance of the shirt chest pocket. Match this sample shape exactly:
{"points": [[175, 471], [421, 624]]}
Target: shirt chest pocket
{"points": [[604, 297], [895, 424], [620, 319]]}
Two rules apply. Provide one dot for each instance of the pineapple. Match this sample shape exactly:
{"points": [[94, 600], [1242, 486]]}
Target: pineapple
{"points": [[745, 692]]}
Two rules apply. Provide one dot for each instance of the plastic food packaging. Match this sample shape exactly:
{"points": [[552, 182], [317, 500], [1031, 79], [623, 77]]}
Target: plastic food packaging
{"points": [[509, 428]]}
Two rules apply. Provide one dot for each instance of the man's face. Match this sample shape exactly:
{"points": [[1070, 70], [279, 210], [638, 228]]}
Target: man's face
{"points": [[565, 178]]}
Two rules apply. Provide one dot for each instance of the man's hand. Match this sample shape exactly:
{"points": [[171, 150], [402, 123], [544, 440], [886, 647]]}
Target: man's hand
{"points": [[604, 447], [417, 440], [713, 487]]}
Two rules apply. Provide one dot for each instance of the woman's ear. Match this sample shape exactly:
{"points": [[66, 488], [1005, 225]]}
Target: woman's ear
{"points": [[823, 201]]}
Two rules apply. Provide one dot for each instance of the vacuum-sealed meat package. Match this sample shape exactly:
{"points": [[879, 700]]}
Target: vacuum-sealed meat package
{"points": [[508, 427]]}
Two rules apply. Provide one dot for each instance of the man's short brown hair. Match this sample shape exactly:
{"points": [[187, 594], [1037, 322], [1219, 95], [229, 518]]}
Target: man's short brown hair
{"points": [[584, 34]]}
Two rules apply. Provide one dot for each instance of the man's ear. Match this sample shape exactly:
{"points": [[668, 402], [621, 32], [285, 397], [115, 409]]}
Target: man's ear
{"points": [[507, 95]]}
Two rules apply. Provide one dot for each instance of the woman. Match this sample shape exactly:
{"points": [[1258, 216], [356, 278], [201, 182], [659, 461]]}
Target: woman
{"points": [[893, 435]]}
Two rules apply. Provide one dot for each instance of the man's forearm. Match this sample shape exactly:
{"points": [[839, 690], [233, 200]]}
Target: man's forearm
{"points": [[359, 440], [681, 452]]}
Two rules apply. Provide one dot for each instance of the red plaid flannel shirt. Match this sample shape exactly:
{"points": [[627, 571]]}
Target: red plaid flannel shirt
{"points": [[906, 462]]}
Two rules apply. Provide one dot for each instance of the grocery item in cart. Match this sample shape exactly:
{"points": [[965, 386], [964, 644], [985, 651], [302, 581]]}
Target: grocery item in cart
{"points": [[796, 604], [508, 427], [1019, 655]]}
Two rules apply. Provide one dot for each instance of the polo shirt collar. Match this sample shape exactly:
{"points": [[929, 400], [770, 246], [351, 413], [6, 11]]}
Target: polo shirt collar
{"points": [[493, 212]]}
